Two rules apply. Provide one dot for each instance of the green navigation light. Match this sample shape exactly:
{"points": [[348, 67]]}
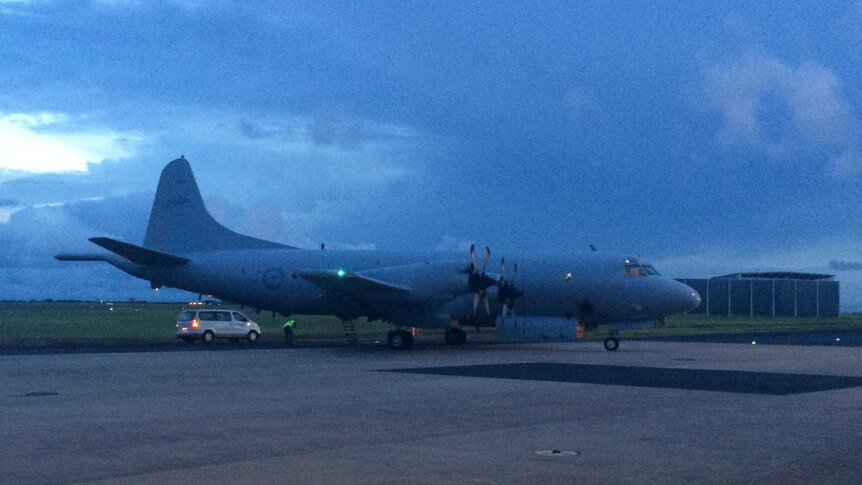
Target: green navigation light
{"points": [[341, 273]]}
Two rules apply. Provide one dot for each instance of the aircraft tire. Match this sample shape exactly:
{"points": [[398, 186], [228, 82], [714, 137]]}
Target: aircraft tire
{"points": [[252, 336], [399, 340], [408, 340], [207, 337], [462, 336], [452, 336], [611, 344]]}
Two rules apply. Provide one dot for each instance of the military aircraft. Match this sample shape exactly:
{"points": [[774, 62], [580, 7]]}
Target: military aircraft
{"points": [[185, 247]]}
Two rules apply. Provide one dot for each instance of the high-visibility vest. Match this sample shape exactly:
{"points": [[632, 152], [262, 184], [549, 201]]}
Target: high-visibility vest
{"points": [[289, 323]]}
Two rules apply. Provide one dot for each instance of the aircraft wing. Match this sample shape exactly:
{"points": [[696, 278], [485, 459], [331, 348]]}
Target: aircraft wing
{"points": [[353, 284], [139, 254]]}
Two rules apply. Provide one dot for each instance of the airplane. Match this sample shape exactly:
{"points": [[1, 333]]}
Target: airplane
{"points": [[185, 247]]}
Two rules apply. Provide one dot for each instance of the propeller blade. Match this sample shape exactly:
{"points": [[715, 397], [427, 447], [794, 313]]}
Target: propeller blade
{"points": [[476, 299], [486, 258], [502, 269], [473, 265], [487, 305]]}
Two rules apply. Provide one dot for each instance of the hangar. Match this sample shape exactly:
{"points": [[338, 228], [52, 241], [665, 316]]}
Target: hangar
{"points": [[771, 294]]}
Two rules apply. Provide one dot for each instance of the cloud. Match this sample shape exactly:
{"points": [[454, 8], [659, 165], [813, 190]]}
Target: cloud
{"points": [[845, 265], [782, 110], [332, 126], [847, 166], [53, 142], [32, 237], [454, 244], [330, 148]]}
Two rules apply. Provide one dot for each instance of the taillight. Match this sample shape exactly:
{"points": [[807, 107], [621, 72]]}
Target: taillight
{"points": [[195, 323]]}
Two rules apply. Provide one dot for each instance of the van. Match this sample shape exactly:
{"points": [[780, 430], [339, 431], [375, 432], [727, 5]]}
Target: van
{"points": [[212, 324]]}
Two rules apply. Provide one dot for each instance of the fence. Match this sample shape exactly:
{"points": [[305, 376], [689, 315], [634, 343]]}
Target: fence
{"points": [[766, 297]]}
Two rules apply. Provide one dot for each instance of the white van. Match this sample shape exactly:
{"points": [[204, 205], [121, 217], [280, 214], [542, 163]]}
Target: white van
{"points": [[211, 324]]}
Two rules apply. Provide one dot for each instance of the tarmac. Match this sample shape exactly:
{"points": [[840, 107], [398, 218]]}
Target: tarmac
{"points": [[654, 411]]}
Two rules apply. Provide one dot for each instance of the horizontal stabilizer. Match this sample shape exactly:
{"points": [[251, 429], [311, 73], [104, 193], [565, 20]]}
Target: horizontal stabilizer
{"points": [[79, 257], [139, 254], [353, 284]]}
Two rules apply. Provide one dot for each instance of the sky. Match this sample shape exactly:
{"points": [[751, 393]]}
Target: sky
{"points": [[707, 137]]}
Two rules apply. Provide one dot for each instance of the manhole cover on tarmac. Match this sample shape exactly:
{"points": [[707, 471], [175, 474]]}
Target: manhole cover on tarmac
{"points": [[556, 453]]}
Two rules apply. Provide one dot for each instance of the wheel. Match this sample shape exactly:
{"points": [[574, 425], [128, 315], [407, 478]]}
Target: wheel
{"points": [[408, 340], [455, 336], [395, 340], [462, 336], [399, 340], [611, 344], [452, 336], [252, 336], [208, 337]]}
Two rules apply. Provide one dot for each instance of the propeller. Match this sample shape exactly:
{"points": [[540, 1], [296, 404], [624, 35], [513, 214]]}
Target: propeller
{"points": [[507, 292], [479, 282]]}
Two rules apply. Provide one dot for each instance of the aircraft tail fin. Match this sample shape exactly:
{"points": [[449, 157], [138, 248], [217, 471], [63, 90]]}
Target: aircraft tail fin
{"points": [[180, 222]]}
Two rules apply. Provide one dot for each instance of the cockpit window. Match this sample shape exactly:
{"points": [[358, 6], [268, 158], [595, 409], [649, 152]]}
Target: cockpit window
{"points": [[634, 268], [650, 270]]}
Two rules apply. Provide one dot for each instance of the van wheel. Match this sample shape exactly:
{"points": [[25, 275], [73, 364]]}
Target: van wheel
{"points": [[252, 336], [208, 337]]}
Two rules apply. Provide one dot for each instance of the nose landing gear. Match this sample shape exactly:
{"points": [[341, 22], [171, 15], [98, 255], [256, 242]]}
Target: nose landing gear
{"points": [[612, 344], [399, 340], [455, 336]]}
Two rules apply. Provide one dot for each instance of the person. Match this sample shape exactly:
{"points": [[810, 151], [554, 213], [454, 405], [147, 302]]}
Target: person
{"points": [[288, 332]]}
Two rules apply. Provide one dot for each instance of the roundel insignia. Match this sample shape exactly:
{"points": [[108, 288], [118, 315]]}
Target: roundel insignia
{"points": [[273, 278]]}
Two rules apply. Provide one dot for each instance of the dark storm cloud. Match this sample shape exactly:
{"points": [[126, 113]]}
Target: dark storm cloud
{"points": [[665, 128], [254, 130], [845, 265]]}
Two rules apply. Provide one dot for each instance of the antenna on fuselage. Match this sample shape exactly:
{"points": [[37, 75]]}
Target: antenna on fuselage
{"points": [[593, 248], [322, 245]]}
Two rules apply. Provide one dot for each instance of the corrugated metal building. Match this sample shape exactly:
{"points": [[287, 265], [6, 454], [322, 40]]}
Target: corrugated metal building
{"points": [[776, 294]]}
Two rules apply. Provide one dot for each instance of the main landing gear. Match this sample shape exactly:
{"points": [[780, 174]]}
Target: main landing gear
{"points": [[399, 340], [455, 336]]}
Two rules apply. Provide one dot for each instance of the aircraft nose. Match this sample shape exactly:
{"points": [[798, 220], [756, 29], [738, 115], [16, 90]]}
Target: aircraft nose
{"points": [[693, 298], [683, 298]]}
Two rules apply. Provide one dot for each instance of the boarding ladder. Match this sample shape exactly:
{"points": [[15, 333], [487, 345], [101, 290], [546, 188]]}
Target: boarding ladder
{"points": [[349, 331]]}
